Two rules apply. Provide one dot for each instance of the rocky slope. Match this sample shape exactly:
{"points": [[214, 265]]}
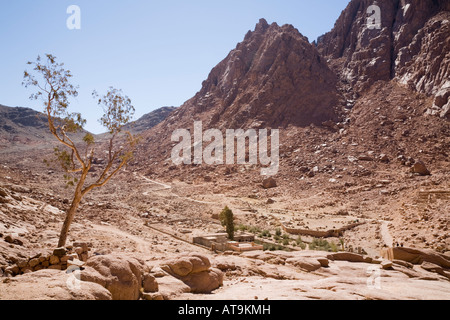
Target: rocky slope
{"points": [[412, 45], [273, 78], [357, 143], [149, 120], [21, 126]]}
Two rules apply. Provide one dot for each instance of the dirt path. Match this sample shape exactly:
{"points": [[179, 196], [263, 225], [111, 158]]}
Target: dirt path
{"points": [[385, 234], [166, 187], [142, 245]]}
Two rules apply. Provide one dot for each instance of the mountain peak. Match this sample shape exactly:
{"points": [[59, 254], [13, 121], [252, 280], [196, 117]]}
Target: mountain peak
{"points": [[268, 79], [262, 25]]}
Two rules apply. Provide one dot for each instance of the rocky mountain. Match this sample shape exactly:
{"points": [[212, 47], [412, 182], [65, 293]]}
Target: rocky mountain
{"points": [[149, 120], [22, 126], [364, 143], [411, 45], [273, 78]]}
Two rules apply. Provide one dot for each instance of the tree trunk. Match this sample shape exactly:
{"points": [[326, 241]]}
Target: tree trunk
{"points": [[68, 221], [73, 209]]}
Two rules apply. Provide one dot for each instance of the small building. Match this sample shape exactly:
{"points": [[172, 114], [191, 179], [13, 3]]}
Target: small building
{"points": [[219, 241], [243, 246]]}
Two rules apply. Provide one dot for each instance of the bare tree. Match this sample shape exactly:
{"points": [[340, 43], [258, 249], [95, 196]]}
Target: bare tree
{"points": [[54, 89]]}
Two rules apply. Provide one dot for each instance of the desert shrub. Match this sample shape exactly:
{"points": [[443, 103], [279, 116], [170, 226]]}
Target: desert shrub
{"points": [[241, 227], [320, 245], [265, 234], [300, 243], [334, 247], [278, 232], [254, 230]]}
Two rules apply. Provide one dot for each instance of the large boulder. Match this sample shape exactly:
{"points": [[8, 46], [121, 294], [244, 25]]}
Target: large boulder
{"points": [[169, 286], [51, 285], [205, 281], [121, 275], [346, 256], [416, 256], [184, 265], [195, 271], [305, 264]]}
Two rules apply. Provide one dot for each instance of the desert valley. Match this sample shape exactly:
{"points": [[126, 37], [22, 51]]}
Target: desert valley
{"points": [[358, 209]]}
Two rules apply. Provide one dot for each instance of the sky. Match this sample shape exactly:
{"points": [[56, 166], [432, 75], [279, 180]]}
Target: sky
{"points": [[157, 52]]}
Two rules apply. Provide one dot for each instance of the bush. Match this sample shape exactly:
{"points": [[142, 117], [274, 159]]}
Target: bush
{"points": [[300, 243], [242, 227], [320, 245], [254, 230], [265, 234], [278, 232]]}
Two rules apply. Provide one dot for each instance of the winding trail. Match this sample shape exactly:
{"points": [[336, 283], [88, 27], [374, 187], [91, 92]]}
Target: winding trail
{"points": [[166, 187], [142, 245], [385, 234]]}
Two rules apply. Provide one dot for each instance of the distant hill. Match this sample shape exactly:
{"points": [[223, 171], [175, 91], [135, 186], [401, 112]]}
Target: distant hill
{"points": [[22, 126], [149, 120], [25, 127]]}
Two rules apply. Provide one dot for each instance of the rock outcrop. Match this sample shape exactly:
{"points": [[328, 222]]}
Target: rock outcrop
{"points": [[195, 271], [417, 256], [149, 120], [274, 78], [411, 45], [121, 275], [51, 285]]}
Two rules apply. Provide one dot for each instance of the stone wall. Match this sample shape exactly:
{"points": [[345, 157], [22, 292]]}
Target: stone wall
{"points": [[59, 259], [320, 234]]}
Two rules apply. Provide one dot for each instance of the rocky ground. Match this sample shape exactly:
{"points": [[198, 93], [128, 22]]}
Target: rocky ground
{"points": [[364, 141], [155, 223]]}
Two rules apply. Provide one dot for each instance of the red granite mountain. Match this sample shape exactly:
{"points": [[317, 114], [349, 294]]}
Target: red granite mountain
{"points": [[411, 45], [273, 78]]}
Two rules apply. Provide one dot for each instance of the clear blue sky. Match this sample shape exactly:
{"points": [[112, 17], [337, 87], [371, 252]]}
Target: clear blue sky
{"points": [[158, 52]]}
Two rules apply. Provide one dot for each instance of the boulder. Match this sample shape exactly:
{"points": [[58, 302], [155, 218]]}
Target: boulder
{"points": [[121, 275], [187, 264], [204, 281], [269, 183], [149, 283], [445, 112], [33, 263], [416, 256], [152, 296], [13, 240], [386, 265], [51, 285], [384, 158], [346, 256], [59, 252], [420, 168], [442, 96], [195, 271], [54, 260], [306, 264], [170, 286], [324, 262]]}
